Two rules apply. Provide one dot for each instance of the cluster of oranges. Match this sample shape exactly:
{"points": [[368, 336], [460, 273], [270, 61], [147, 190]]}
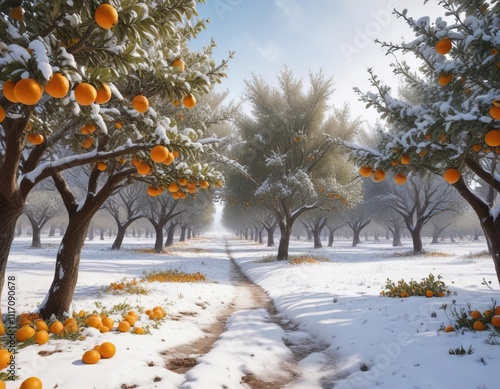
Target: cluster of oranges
{"points": [[477, 320], [106, 350], [157, 313]]}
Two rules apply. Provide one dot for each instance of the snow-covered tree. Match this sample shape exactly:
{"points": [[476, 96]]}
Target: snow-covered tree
{"points": [[452, 130], [293, 168], [85, 77], [40, 207]]}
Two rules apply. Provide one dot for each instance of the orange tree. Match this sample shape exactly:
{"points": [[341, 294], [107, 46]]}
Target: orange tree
{"points": [[80, 81], [452, 130]]}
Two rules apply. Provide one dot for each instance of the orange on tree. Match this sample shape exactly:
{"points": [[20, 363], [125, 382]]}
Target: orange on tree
{"points": [[405, 159], [24, 333], [189, 101], [106, 16], [445, 79], [4, 358], [365, 171], [103, 94], [159, 153], [41, 337], [28, 91], [2, 114], [8, 91], [399, 178], [107, 350], [495, 112], [91, 357], [57, 86], [429, 293], [118, 125], [102, 166], [478, 326], [175, 153], [204, 184], [56, 327], [492, 138], [378, 175], [85, 93], [143, 169], [173, 187], [443, 46], [17, 13], [35, 139], [31, 383], [451, 175], [154, 191], [124, 326], [140, 103], [477, 147], [182, 181], [136, 160], [87, 143], [169, 159], [176, 103], [179, 65]]}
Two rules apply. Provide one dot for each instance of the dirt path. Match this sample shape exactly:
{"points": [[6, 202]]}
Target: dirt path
{"points": [[251, 296]]}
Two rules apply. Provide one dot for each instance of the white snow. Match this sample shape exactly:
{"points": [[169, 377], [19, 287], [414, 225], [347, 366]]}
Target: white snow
{"points": [[337, 302]]}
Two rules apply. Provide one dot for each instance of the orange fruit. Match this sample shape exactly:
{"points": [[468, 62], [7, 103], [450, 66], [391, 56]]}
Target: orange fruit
{"points": [[124, 326], [399, 178], [107, 350], [176, 103], [150, 313], [24, 321], [139, 331], [365, 171], [495, 321], [41, 325], [159, 153], [136, 160], [154, 191], [3, 385], [394, 162], [134, 314], [131, 319], [28, 91], [143, 169], [445, 79], [182, 181], [85, 93], [378, 175], [173, 187], [169, 159], [31, 383], [104, 329], [405, 159], [494, 112], [478, 326], [118, 125], [175, 153], [56, 327], [449, 329], [2, 328], [140, 103], [86, 143], [422, 153], [2, 114], [477, 147], [93, 321], [475, 315], [429, 293], [108, 322], [57, 86], [102, 166], [24, 333], [179, 65], [159, 312], [103, 94], [106, 16], [4, 358], [8, 91], [71, 328], [451, 175], [42, 337], [496, 103], [492, 138], [17, 13], [91, 357], [68, 321], [443, 46], [35, 139], [189, 101], [204, 184], [497, 310]]}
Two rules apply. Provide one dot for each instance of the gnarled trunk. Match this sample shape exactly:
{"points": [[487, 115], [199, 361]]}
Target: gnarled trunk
{"points": [[284, 243], [270, 237], [120, 235], [159, 238]]}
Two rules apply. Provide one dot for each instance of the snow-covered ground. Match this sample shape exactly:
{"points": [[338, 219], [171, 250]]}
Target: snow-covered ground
{"points": [[372, 341]]}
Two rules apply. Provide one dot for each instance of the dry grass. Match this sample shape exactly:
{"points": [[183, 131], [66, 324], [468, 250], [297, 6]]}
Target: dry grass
{"points": [[172, 276]]}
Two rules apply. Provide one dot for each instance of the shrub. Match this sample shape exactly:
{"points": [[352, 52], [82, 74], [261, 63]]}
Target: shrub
{"points": [[172, 275], [429, 286]]}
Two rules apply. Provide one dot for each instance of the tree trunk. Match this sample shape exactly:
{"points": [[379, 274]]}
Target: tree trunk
{"points": [[159, 239], [270, 237], [355, 237], [170, 235], [19, 230], [35, 238], [117, 244], [60, 295], [182, 238], [317, 238], [309, 234], [260, 236], [284, 243], [418, 247], [52, 230], [62, 230], [91, 233], [435, 239], [396, 239], [256, 234], [101, 234], [189, 232]]}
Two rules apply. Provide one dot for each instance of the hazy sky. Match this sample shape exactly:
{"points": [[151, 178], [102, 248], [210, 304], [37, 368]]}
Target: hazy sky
{"points": [[333, 35]]}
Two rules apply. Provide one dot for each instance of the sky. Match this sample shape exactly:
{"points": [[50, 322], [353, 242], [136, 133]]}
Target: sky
{"points": [[334, 36]]}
